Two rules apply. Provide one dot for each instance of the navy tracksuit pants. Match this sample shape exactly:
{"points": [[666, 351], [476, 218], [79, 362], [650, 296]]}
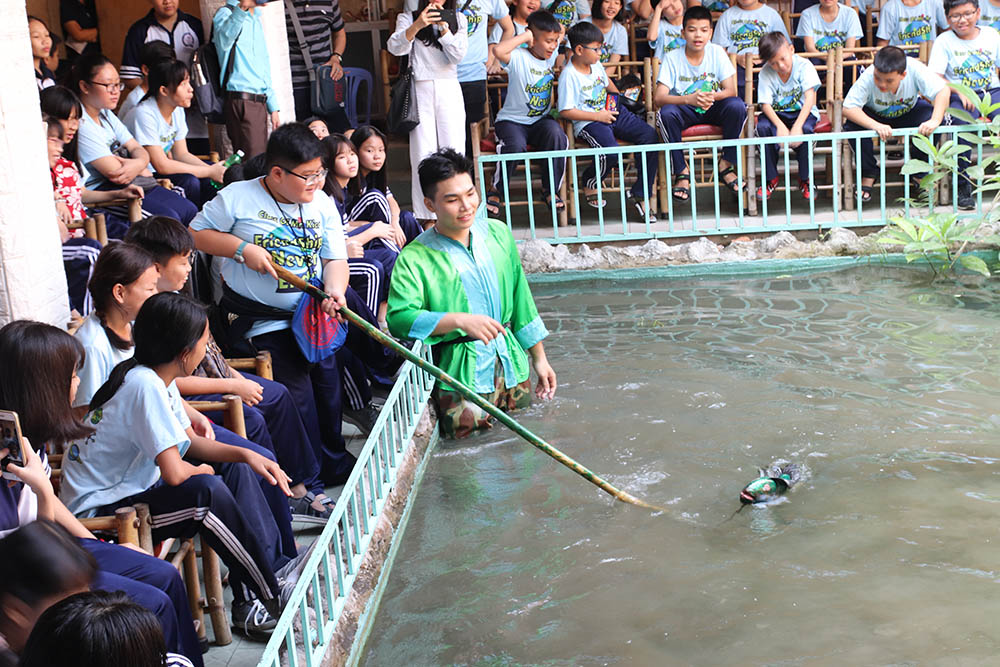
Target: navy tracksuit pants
{"points": [[627, 127], [79, 257], [765, 128], [920, 112], [197, 190], [545, 134], [275, 424], [154, 584], [729, 113]]}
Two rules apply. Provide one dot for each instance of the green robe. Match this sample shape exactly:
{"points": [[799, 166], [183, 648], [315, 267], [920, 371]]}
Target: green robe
{"points": [[435, 275]]}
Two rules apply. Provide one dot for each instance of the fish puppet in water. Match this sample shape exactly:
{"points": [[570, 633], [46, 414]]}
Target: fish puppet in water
{"points": [[773, 481]]}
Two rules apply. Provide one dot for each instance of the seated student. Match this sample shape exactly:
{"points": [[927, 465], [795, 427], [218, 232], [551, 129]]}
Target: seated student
{"points": [[79, 253], [524, 118], [740, 28], [98, 629], [787, 96], [891, 94], [271, 418], [568, 12], [107, 149], [828, 25], [481, 329], [41, 48], [583, 94], [284, 217], [158, 123], [151, 54], [376, 201], [967, 54], [318, 127], [669, 16], [40, 363], [990, 14], [144, 450], [904, 22], [62, 105], [608, 16], [712, 5], [697, 84]]}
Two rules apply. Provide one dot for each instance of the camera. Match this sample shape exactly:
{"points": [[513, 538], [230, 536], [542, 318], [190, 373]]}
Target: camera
{"points": [[10, 439]]}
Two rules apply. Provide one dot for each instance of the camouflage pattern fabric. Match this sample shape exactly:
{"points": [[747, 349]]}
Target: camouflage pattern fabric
{"points": [[460, 418]]}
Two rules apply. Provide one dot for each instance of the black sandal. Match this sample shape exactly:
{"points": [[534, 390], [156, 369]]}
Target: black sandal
{"points": [[866, 193], [679, 192], [560, 205], [734, 185], [493, 202]]}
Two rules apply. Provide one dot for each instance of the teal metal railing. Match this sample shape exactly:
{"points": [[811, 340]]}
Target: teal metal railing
{"points": [[617, 222], [331, 569]]}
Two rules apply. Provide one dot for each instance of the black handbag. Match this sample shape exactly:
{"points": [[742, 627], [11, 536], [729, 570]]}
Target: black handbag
{"points": [[403, 114], [325, 94]]}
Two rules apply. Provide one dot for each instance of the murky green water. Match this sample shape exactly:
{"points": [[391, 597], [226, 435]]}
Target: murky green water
{"points": [[890, 554]]}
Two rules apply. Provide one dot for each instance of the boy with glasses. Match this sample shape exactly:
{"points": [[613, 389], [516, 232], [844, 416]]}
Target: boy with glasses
{"points": [[967, 54]]}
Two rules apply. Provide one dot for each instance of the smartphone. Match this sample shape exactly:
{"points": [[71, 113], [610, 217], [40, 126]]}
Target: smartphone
{"points": [[450, 16], [611, 102], [10, 439]]}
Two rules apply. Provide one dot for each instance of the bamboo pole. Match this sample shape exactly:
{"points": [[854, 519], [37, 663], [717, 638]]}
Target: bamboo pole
{"points": [[468, 393]]}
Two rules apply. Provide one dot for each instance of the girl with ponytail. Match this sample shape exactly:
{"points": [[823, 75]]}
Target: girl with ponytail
{"points": [[145, 451]]}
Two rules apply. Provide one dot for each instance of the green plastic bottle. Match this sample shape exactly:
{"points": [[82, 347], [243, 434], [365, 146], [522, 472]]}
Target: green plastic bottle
{"points": [[235, 158]]}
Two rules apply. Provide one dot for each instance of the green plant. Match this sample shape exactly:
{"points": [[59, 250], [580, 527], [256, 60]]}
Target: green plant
{"points": [[941, 238]]}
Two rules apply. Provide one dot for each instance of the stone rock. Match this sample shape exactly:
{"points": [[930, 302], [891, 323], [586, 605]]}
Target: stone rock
{"points": [[739, 251], [843, 242], [653, 251], [774, 242], [536, 256], [701, 250], [798, 249]]}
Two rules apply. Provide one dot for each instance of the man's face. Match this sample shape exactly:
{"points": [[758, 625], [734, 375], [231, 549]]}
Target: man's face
{"points": [[963, 19], [888, 82], [298, 184], [698, 33], [455, 202]]}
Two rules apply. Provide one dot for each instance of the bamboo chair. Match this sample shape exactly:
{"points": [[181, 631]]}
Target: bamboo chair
{"points": [[828, 119], [94, 228]]}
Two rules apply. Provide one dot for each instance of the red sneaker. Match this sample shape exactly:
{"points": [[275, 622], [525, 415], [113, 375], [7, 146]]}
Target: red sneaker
{"points": [[771, 185], [805, 187]]}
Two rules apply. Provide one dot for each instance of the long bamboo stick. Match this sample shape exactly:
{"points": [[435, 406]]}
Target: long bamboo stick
{"points": [[468, 393]]}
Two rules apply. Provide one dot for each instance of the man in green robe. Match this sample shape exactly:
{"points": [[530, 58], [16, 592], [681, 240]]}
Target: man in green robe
{"points": [[460, 287]]}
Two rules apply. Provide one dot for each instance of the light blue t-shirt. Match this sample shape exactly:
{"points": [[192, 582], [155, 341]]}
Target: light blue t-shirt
{"points": [[715, 5], [96, 140], [246, 210], [101, 358], [568, 12], [683, 78], [911, 25], [615, 42], [786, 96], [477, 14], [919, 81], [989, 15], [587, 92], [739, 30], [829, 35], [143, 419], [529, 88], [150, 129], [669, 38], [969, 61], [496, 34], [130, 103]]}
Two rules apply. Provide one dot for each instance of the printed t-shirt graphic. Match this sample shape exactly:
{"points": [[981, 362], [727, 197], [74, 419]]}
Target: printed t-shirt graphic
{"points": [[787, 96], [670, 38], [829, 35], [529, 91], [902, 25], [683, 78], [740, 30], [972, 62], [919, 81]]}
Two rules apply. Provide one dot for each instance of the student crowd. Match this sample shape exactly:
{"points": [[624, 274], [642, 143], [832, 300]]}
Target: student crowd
{"points": [[192, 280]]}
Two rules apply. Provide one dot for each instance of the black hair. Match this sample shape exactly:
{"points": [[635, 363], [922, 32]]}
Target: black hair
{"points": [[247, 170], [312, 119], [543, 20], [38, 362], [429, 34], [161, 236], [167, 325], [118, 263], [890, 59], [38, 20], [62, 103], [290, 145], [53, 128], [333, 144], [85, 68], [440, 166], [376, 179], [42, 560], [769, 44], [168, 74], [584, 33], [96, 629], [153, 53], [697, 13], [597, 7], [952, 4]]}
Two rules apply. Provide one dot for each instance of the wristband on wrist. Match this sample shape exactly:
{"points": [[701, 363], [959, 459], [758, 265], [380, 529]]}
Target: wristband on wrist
{"points": [[238, 255]]}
